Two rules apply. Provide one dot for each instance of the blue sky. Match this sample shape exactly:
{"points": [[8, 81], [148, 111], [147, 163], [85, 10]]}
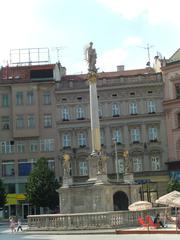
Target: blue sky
{"points": [[119, 30]]}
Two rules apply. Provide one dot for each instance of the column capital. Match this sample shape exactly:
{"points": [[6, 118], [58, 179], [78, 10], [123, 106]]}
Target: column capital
{"points": [[92, 77]]}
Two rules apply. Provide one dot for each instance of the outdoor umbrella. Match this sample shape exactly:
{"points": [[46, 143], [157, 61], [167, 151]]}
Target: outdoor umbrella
{"points": [[168, 199], [140, 205], [176, 202], [171, 199]]}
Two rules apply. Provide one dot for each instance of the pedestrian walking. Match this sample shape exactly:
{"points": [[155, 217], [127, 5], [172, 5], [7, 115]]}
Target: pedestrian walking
{"points": [[19, 225], [12, 224]]}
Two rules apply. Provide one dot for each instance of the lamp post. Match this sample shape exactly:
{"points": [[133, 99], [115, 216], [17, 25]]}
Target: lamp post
{"points": [[116, 159]]}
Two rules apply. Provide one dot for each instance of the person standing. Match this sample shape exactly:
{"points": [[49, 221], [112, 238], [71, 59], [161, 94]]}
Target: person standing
{"points": [[158, 221]]}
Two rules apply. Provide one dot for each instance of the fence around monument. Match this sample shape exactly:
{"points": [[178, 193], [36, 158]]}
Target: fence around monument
{"points": [[87, 221]]}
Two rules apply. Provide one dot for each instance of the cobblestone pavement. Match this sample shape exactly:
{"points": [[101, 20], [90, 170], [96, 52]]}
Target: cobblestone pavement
{"points": [[5, 234]]}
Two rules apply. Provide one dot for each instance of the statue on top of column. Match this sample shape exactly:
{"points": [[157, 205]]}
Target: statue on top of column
{"points": [[91, 57]]}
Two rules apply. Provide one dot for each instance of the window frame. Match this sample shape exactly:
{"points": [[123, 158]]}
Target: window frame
{"points": [[135, 135], [133, 108], [115, 109]]}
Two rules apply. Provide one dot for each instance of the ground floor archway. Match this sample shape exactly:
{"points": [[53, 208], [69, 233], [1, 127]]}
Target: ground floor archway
{"points": [[120, 201]]}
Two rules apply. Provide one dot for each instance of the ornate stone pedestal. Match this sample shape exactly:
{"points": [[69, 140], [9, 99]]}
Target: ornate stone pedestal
{"points": [[67, 181], [98, 168], [128, 178]]}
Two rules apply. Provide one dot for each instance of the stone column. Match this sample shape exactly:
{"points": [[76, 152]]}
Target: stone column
{"points": [[95, 129]]}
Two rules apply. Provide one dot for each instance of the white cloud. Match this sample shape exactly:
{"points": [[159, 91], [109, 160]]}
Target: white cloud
{"points": [[156, 11], [132, 41], [112, 58]]}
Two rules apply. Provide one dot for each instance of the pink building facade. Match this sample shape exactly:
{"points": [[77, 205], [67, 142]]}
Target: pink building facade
{"points": [[171, 77]]}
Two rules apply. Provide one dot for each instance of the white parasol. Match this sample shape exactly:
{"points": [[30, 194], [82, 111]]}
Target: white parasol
{"points": [[168, 199], [140, 205]]}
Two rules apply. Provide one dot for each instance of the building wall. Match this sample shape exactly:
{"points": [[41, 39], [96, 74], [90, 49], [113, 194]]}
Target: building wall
{"points": [[171, 76], [122, 91], [17, 155]]}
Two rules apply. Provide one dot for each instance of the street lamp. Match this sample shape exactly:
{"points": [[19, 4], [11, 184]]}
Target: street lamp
{"points": [[116, 158]]}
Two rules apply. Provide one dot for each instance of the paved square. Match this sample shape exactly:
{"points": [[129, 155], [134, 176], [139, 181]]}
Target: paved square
{"points": [[5, 234]]}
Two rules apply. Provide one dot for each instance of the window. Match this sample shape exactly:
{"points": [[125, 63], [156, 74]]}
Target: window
{"points": [[115, 110], [47, 145], [30, 98], [5, 100], [81, 140], [7, 147], [19, 121], [117, 136], [5, 122], [177, 90], [21, 187], [24, 167], [8, 167], [33, 146], [120, 163], [137, 164], [135, 135], [65, 114], [20, 147], [155, 163], [153, 134], [10, 188], [133, 108], [46, 98], [83, 168], [19, 98], [80, 114], [51, 164], [31, 121], [151, 106], [66, 140], [47, 121]]}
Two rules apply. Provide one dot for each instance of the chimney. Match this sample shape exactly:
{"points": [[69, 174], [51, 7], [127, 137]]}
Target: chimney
{"points": [[120, 68]]}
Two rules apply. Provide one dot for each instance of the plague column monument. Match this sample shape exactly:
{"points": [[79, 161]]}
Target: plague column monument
{"points": [[98, 193], [97, 159]]}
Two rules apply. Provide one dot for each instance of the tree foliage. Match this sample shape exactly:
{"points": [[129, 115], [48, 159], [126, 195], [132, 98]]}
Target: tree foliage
{"points": [[173, 184], [3, 195], [41, 186]]}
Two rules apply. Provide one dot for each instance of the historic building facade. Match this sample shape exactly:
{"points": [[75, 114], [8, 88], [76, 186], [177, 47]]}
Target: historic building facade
{"points": [[131, 119], [171, 77], [45, 113], [27, 128]]}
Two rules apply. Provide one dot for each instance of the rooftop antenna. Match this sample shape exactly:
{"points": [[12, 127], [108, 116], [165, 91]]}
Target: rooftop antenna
{"points": [[148, 64], [57, 49]]}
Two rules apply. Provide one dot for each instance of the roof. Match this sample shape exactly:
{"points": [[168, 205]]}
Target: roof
{"points": [[124, 73], [175, 57], [20, 74]]}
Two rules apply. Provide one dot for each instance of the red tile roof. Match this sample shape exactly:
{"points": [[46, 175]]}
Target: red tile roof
{"points": [[124, 73]]}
